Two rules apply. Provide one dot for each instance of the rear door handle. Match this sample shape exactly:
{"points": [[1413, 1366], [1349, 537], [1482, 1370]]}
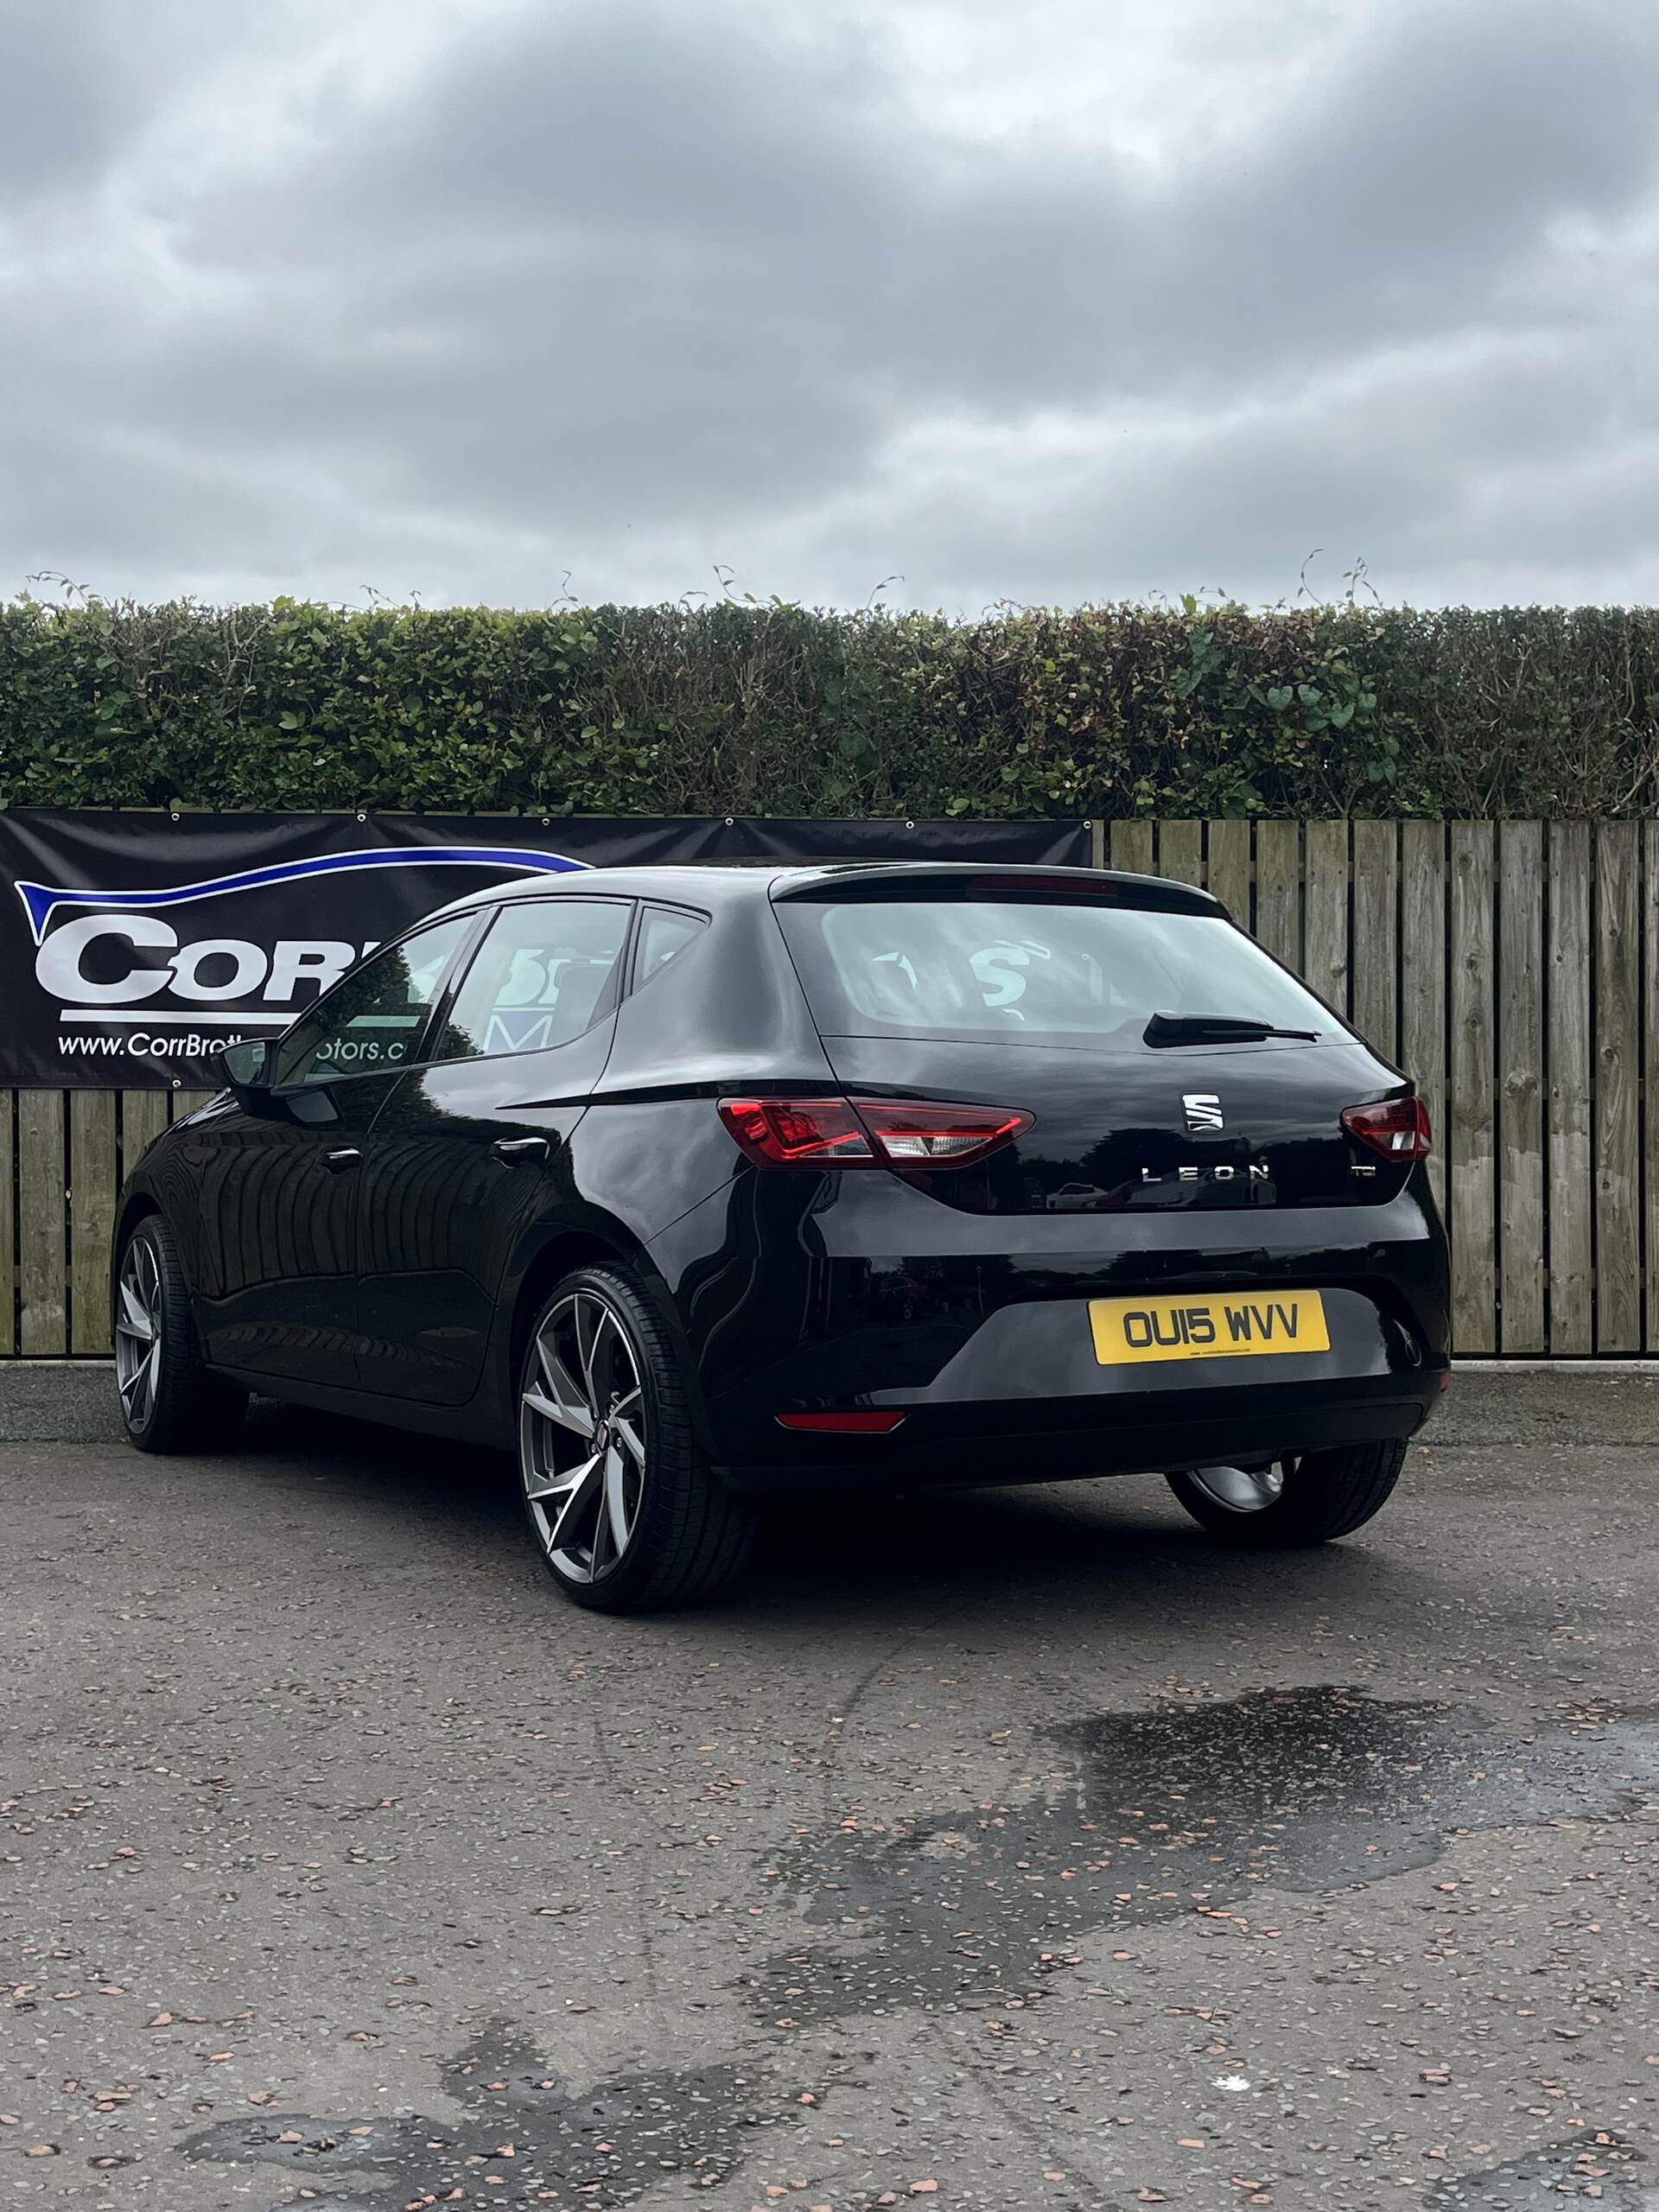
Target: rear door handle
{"points": [[337, 1162], [513, 1149]]}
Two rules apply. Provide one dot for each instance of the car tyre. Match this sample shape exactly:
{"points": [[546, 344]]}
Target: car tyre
{"points": [[623, 1509], [170, 1399], [1307, 1499]]}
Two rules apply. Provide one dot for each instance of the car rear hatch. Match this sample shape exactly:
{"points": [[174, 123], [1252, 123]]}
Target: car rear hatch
{"points": [[1166, 1061]]}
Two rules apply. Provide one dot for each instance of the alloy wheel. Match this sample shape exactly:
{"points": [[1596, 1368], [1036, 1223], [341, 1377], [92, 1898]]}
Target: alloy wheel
{"points": [[138, 1331], [1239, 1489], [582, 1441]]}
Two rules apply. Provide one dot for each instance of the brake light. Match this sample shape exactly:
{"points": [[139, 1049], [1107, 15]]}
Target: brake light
{"points": [[867, 1132], [799, 1132], [853, 1424], [1080, 886], [1397, 1127]]}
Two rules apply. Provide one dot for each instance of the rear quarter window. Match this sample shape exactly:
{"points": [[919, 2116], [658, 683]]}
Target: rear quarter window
{"points": [[1030, 970], [664, 931]]}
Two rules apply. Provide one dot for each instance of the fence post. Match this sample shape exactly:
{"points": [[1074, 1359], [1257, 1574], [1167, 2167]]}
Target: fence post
{"points": [[1377, 936], [1570, 1166], [1521, 1084], [42, 1245], [93, 1175], [1618, 1072], [1326, 877], [1229, 868], [1422, 977]]}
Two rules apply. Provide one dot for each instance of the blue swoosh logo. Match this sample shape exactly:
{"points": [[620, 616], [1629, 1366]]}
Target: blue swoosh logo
{"points": [[40, 900]]}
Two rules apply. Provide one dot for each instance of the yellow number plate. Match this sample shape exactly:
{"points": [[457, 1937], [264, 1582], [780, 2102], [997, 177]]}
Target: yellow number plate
{"points": [[1129, 1328]]}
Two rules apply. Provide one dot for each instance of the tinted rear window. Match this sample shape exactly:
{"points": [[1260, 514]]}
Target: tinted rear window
{"points": [[1036, 969]]}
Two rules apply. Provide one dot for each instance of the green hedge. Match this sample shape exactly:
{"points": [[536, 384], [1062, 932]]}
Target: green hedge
{"points": [[738, 709]]}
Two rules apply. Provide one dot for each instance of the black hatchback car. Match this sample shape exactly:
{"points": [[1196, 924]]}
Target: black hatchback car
{"points": [[693, 1183]]}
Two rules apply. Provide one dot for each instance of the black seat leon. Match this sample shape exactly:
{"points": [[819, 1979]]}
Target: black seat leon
{"points": [[689, 1183]]}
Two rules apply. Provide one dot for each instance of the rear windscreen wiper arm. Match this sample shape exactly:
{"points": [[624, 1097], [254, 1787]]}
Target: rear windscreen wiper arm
{"points": [[1217, 1029]]}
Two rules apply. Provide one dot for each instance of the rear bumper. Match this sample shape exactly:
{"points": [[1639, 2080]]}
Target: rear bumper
{"points": [[1019, 1441], [989, 1354]]}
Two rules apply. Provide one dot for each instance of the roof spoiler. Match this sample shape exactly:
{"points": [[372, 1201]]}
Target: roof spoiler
{"points": [[976, 879]]}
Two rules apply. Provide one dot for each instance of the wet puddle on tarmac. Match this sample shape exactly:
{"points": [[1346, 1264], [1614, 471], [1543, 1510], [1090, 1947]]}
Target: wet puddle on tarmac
{"points": [[1597, 2169], [1156, 1815], [525, 2136], [1162, 1813]]}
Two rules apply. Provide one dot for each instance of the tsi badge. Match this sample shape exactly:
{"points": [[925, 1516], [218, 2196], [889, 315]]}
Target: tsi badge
{"points": [[1203, 1110]]}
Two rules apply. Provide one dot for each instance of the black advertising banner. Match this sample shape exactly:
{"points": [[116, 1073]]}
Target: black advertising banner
{"points": [[133, 947]]}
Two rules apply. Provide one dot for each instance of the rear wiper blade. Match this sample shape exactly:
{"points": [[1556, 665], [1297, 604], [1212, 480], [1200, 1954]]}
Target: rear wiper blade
{"points": [[1217, 1029]]}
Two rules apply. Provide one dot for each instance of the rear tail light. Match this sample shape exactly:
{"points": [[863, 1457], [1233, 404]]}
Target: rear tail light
{"points": [[1397, 1127], [937, 1136], [867, 1132], [799, 1132]]}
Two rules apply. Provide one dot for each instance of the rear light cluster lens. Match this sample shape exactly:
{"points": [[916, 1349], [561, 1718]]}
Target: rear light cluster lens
{"points": [[1397, 1127], [799, 1132], [939, 1136], [867, 1132]]}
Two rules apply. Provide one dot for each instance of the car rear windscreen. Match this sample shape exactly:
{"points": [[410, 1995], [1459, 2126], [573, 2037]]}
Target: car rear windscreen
{"points": [[1039, 969]]}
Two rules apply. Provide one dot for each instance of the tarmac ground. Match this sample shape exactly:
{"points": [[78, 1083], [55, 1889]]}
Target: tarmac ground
{"points": [[1010, 1849]]}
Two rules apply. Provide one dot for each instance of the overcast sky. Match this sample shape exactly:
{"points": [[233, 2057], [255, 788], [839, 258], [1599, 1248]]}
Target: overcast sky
{"points": [[1058, 301]]}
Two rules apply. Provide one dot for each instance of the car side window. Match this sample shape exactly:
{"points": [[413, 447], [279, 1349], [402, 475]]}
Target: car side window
{"points": [[663, 931], [541, 977], [374, 1017]]}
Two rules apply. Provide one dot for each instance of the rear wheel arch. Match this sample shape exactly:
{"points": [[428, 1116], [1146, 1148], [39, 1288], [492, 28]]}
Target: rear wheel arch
{"points": [[609, 1457], [171, 1401], [141, 1203], [560, 1257], [142, 1207], [139, 1207], [603, 1243]]}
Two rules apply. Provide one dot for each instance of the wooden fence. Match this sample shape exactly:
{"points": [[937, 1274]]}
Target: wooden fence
{"points": [[1513, 968], [63, 1156]]}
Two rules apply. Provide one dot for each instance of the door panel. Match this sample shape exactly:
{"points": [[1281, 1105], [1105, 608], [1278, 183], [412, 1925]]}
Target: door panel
{"points": [[472, 1150], [443, 1209], [278, 1290], [277, 1190]]}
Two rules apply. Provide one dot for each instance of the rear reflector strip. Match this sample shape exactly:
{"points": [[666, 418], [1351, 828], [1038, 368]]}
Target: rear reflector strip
{"points": [[860, 1424]]}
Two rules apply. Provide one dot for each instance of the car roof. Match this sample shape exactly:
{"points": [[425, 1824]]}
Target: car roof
{"points": [[701, 882]]}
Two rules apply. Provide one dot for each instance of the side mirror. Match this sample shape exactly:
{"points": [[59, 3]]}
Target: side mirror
{"points": [[248, 1068]]}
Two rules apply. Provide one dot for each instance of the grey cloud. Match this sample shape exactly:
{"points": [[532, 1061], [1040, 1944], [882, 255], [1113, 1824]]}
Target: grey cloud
{"points": [[1390, 198], [625, 287], [60, 97], [1495, 482], [80, 81], [581, 269]]}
